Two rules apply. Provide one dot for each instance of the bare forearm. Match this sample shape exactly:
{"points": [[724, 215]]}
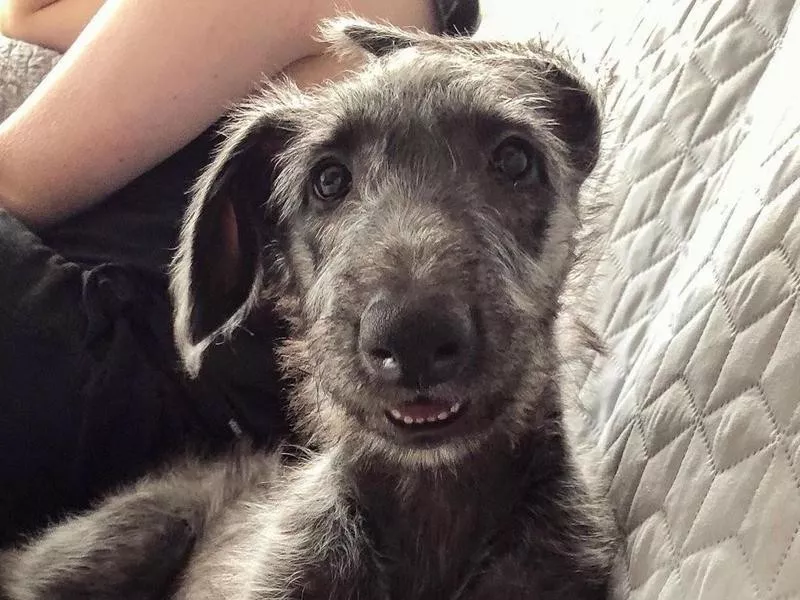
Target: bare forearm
{"points": [[50, 23], [144, 78]]}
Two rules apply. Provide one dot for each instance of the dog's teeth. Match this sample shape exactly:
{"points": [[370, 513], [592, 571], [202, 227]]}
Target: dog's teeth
{"points": [[445, 415]]}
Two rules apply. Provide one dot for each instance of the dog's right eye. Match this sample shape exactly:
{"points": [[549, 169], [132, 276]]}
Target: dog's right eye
{"points": [[330, 181]]}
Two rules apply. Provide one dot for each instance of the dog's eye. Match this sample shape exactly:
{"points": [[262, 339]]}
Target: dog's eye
{"points": [[330, 180], [515, 159]]}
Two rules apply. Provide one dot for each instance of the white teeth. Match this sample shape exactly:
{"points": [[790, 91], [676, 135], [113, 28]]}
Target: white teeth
{"points": [[445, 415]]}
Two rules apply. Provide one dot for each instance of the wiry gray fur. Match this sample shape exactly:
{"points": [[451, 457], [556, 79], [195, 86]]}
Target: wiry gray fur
{"points": [[495, 512]]}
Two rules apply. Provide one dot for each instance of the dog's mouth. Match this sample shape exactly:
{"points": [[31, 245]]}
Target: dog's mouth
{"points": [[425, 413]]}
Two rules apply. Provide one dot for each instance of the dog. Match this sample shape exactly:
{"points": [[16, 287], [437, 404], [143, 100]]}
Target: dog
{"points": [[415, 224]]}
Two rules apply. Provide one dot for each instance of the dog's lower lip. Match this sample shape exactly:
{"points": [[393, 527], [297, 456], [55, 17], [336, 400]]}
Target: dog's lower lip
{"points": [[426, 412]]}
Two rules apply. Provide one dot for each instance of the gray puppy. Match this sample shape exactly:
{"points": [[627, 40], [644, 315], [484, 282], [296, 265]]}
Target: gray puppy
{"points": [[415, 225]]}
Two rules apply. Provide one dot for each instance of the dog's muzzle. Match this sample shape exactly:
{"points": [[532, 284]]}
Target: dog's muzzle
{"points": [[418, 340]]}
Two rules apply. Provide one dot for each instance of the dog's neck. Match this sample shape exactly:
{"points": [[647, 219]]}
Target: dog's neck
{"points": [[432, 525]]}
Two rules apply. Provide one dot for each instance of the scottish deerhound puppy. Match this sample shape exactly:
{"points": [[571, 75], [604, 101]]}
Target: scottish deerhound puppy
{"points": [[415, 224]]}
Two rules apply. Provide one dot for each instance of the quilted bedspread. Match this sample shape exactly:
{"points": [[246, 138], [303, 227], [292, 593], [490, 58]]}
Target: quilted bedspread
{"points": [[696, 408], [22, 67]]}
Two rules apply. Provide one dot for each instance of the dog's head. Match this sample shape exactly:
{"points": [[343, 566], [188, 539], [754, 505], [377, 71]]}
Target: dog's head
{"points": [[415, 224]]}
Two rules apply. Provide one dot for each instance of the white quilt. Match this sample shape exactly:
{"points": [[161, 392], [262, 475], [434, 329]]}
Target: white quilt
{"points": [[697, 406], [22, 67]]}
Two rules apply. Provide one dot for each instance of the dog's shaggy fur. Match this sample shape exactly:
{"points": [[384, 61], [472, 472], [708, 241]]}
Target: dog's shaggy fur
{"points": [[466, 160]]}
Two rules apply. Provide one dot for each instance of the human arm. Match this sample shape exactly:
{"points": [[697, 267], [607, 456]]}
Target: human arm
{"points": [[50, 23], [144, 78]]}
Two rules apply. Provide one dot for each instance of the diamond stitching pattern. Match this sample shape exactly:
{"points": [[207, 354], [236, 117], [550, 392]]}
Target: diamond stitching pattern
{"points": [[701, 288]]}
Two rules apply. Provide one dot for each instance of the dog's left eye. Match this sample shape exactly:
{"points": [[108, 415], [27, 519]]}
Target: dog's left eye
{"points": [[516, 159], [330, 180]]}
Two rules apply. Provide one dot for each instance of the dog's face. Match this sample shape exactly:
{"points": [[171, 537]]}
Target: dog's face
{"points": [[416, 224]]}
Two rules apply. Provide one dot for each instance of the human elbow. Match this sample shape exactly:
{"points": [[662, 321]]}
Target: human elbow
{"points": [[13, 23], [7, 23]]}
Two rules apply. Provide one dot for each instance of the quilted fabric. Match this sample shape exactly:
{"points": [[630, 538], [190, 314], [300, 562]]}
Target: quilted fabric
{"points": [[696, 408], [22, 67]]}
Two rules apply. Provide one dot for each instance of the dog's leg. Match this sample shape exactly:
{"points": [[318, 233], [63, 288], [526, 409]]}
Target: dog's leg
{"points": [[133, 546]]}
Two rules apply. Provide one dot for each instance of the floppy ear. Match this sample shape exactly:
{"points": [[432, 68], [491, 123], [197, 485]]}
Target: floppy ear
{"points": [[578, 118], [575, 109], [346, 33], [218, 271]]}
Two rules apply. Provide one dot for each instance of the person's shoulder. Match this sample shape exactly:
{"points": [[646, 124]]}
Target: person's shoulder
{"points": [[458, 17]]}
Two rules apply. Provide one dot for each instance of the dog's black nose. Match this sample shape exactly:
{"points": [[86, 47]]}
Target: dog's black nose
{"points": [[416, 340]]}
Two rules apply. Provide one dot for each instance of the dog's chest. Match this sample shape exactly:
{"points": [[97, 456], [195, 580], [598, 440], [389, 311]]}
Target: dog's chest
{"points": [[430, 549], [418, 575]]}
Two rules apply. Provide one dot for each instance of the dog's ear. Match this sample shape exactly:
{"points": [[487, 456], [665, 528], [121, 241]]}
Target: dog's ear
{"points": [[218, 271], [578, 118], [346, 33], [574, 107]]}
